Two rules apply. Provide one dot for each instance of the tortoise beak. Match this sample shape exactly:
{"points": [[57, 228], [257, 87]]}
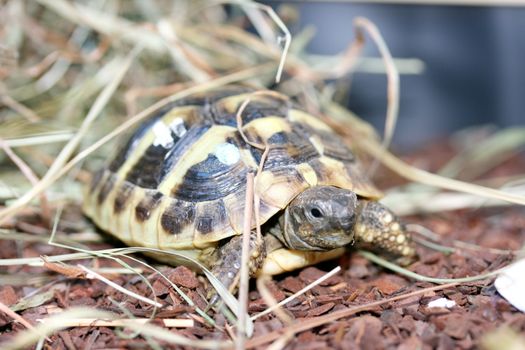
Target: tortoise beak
{"points": [[334, 240]]}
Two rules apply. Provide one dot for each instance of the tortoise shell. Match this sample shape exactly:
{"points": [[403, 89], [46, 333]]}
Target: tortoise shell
{"points": [[178, 182]]}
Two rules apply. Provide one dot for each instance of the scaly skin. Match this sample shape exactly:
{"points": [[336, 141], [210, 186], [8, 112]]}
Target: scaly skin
{"points": [[228, 265], [379, 230]]}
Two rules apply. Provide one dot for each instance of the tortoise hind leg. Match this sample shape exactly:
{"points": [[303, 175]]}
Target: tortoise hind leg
{"points": [[379, 230], [228, 266]]}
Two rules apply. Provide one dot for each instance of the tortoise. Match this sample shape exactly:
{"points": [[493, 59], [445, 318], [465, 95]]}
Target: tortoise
{"points": [[179, 183]]}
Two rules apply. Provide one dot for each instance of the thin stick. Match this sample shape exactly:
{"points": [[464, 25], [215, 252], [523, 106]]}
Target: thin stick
{"points": [[242, 107], [238, 118], [392, 108], [402, 271], [424, 177], [457, 244], [28, 173], [43, 139], [93, 275], [287, 38], [245, 262], [6, 310], [19, 108], [22, 166], [265, 147], [295, 295], [350, 57], [264, 33], [95, 322], [270, 301]]}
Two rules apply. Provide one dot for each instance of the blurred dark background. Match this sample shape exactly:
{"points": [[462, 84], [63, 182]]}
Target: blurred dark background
{"points": [[474, 59]]}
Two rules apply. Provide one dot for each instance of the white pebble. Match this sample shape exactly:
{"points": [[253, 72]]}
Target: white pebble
{"points": [[442, 302]]}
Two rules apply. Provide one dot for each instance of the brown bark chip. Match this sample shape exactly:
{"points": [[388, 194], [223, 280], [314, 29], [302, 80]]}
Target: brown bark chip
{"points": [[364, 333], [8, 295], [411, 343], [388, 284], [184, 277], [455, 325], [311, 274], [292, 284], [320, 310]]}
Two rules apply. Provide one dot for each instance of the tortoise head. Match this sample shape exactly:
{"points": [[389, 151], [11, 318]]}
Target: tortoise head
{"points": [[320, 218]]}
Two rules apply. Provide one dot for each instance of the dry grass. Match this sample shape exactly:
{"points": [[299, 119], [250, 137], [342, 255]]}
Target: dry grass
{"points": [[76, 76]]}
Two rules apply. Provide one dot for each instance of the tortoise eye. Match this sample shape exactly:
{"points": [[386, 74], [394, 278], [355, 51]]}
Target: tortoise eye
{"points": [[316, 213]]}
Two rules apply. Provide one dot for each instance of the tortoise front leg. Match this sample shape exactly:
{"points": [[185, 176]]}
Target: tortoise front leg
{"points": [[228, 266], [381, 231]]}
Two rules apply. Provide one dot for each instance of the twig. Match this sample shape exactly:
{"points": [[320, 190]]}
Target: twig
{"points": [[402, 271], [287, 36], [35, 140], [423, 231], [300, 292], [28, 173], [19, 108], [270, 301], [95, 322], [422, 176], [392, 83], [265, 147], [242, 107], [350, 57], [6, 310], [245, 262], [93, 275]]}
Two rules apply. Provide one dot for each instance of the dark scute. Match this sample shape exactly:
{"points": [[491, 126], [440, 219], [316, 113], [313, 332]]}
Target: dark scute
{"points": [[147, 172], [210, 180], [341, 153], [150, 201], [319, 169], [286, 150], [279, 138], [129, 146], [181, 147], [107, 186], [205, 225], [123, 195], [214, 216], [157, 161], [260, 108], [334, 147], [256, 154], [178, 215]]}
